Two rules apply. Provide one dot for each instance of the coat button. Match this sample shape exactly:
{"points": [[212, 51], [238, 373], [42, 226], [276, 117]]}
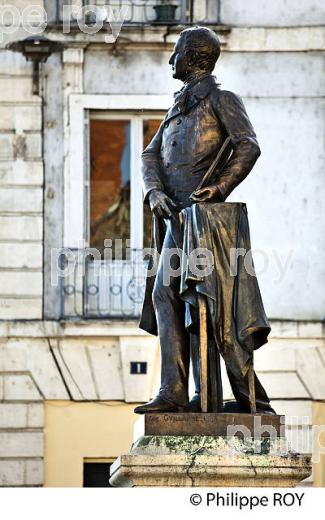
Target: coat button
{"points": [[174, 143], [166, 125], [178, 121]]}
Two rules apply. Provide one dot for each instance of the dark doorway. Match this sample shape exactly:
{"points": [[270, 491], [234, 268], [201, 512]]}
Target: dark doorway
{"points": [[96, 474]]}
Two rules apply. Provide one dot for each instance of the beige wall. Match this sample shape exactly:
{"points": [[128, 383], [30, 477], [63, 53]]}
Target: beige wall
{"points": [[75, 432], [319, 468], [78, 431]]}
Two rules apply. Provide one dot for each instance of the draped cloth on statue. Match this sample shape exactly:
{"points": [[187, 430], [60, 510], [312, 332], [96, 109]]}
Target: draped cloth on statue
{"points": [[237, 320]]}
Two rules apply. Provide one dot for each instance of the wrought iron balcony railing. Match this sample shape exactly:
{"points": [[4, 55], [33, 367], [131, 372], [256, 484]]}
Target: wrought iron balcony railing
{"points": [[96, 288], [135, 12]]}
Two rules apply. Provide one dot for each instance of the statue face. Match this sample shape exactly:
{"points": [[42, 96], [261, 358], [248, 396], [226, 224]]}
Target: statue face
{"points": [[179, 60]]}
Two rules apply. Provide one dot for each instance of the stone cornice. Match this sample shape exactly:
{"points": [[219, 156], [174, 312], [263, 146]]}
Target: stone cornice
{"points": [[103, 328], [236, 39]]}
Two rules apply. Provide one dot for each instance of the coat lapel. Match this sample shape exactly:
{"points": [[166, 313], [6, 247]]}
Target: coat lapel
{"points": [[191, 98]]}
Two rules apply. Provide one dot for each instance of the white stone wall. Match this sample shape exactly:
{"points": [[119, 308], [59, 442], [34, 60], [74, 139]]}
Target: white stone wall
{"points": [[21, 193], [273, 13], [21, 442], [47, 361]]}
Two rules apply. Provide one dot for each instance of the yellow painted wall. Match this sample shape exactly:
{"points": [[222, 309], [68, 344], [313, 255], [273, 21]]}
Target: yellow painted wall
{"points": [[78, 431], [319, 468], [93, 431]]}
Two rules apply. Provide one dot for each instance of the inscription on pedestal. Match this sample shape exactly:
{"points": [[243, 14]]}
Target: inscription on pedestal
{"points": [[257, 425]]}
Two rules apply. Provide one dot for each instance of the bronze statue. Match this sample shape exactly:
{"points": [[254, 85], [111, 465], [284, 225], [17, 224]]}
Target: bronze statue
{"points": [[204, 148]]}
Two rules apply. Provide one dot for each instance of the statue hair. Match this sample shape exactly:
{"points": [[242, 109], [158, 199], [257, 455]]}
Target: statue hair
{"points": [[205, 44]]}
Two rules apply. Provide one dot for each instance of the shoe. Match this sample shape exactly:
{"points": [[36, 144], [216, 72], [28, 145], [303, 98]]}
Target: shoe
{"points": [[159, 405], [232, 407], [267, 412], [194, 406]]}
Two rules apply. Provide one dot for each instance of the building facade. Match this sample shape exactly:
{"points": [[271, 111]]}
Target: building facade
{"points": [[72, 359]]}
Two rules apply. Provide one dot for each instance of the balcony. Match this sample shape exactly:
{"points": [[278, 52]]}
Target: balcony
{"points": [[98, 288], [134, 12]]}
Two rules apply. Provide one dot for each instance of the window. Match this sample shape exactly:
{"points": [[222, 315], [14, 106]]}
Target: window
{"points": [[103, 203], [109, 181], [116, 209], [96, 474], [116, 224]]}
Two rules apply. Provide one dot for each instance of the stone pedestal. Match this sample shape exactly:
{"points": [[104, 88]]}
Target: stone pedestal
{"points": [[181, 455]]}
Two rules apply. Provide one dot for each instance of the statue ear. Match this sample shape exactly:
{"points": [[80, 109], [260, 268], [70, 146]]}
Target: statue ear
{"points": [[191, 56]]}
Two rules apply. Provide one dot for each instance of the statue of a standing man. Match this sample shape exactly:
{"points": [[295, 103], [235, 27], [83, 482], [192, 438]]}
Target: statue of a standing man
{"points": [[191, 135]]}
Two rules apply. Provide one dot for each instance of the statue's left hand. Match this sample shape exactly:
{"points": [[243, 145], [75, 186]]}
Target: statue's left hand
{"points": [[207, 194]]}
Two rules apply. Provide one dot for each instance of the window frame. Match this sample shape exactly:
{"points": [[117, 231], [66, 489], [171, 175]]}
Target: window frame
{"points": [[77, 168]]}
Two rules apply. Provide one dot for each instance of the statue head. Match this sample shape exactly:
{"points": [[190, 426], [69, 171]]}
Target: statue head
{"points": [[196, 51]]}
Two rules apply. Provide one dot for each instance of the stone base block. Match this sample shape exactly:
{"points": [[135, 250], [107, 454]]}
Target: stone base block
{"points": [[214, 424], [209, 461]]}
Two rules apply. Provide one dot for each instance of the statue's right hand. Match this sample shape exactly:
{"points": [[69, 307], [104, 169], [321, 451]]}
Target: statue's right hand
{"points": [[161, 205]]}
